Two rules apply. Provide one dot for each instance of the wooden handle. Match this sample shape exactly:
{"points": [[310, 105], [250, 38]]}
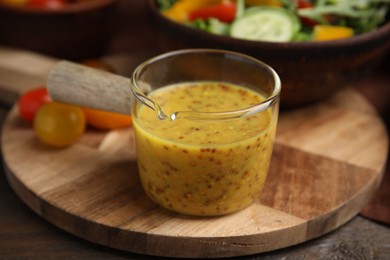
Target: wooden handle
{"points": [[76, 84]]}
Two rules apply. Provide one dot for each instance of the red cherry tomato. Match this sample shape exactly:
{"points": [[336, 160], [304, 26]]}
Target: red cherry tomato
{"points": [[46, 4], [31, 101], [225, 12]]}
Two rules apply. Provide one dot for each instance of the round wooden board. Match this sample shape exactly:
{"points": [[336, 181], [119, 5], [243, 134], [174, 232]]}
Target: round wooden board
{"points": [[328, 160]]}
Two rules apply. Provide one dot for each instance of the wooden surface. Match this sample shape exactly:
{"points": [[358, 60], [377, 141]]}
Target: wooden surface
{"points": [[26, 235], [320, 177]]}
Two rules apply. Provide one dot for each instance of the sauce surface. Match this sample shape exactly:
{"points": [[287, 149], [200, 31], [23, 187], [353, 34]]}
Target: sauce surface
{"points": [[203, 167]]}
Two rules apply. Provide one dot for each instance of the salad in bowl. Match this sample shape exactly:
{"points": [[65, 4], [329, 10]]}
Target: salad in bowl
{"points": [[279, 20], [317, 47]]}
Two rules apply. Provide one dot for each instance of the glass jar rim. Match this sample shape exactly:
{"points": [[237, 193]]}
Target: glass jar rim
{"points": [[230, 114]]}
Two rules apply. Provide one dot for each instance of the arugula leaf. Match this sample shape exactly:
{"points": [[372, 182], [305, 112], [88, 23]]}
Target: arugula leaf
{"points": [[361, 15]]}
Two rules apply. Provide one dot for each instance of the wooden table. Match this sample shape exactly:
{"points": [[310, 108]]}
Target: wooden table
{"points": [[25, 234]]}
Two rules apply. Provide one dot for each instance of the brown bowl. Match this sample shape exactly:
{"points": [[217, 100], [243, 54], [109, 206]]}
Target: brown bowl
{"points": [[310, 71], [76, 31]]}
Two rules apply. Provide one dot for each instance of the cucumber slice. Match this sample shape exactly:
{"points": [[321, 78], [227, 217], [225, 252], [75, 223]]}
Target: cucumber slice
{"points": [[272, 24]]}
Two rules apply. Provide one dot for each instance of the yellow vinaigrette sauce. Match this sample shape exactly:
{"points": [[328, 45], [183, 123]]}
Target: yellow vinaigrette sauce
{"points": [[203, 167]]}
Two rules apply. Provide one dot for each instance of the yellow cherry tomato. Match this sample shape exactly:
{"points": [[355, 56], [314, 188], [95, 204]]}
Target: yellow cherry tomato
{"points": [[106, 120], [59, 125]]}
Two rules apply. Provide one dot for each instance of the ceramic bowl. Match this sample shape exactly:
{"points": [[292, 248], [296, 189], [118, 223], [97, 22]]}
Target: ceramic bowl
{"points": [[310, 71], [76, 31]]}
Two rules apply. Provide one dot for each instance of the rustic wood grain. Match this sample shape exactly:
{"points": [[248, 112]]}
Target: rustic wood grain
{"points": [[376, 90], [92, 188], [379, 207], [338, 130]]}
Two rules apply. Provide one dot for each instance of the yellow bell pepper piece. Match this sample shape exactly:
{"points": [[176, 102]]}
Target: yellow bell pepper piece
{"points": [[264, 2], [179, 11], [328, 32]]}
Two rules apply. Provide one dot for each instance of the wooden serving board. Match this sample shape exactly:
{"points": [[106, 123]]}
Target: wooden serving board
{"points": [[328, 161]]}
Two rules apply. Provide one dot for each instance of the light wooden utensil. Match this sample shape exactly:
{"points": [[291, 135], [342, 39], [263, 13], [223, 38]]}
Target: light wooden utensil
{"points": [[77, 84]]}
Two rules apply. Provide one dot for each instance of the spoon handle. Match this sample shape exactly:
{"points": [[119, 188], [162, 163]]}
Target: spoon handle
{"points": [[77, 84]]}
